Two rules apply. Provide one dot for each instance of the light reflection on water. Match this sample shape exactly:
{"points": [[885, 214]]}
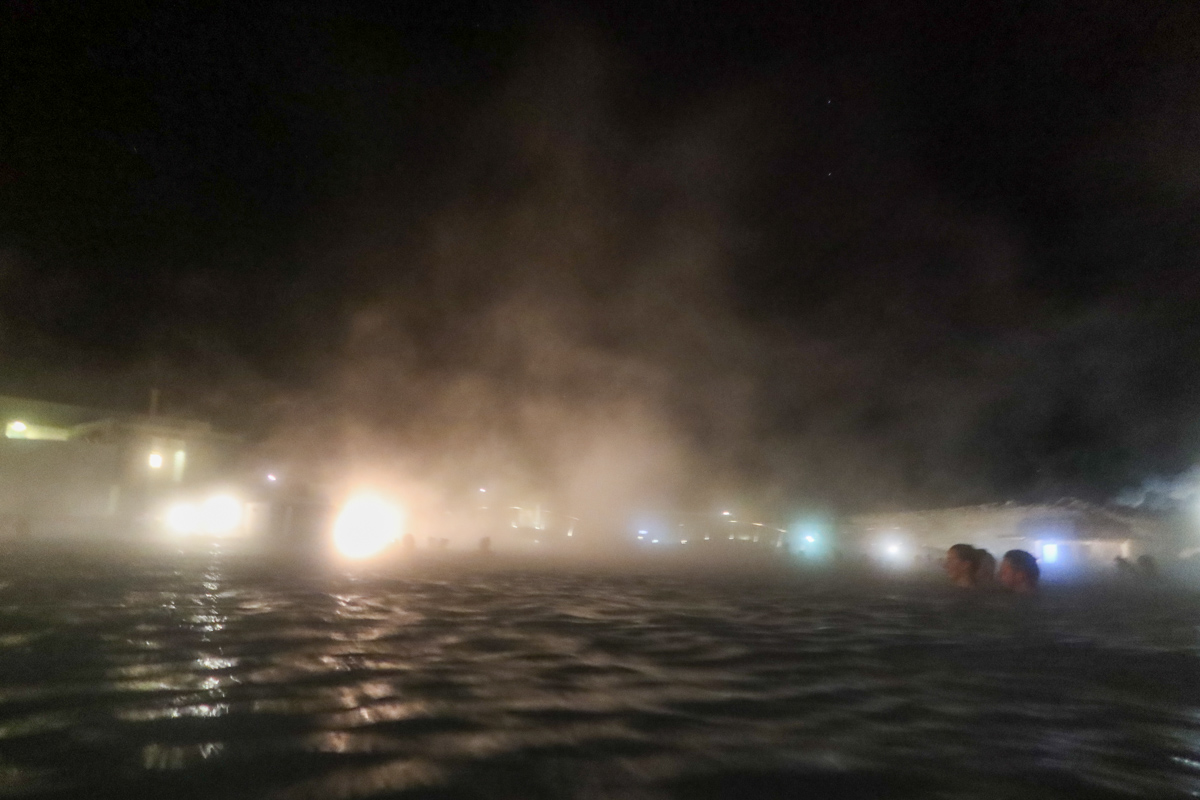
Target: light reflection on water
{"points": [[215, 682]]}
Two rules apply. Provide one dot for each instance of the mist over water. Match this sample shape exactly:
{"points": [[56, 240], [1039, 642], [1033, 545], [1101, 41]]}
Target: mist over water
{"points": [[616, 266], [216, 678]]}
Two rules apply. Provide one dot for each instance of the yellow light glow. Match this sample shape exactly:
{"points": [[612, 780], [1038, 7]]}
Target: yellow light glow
{"points": [[221, 514], [155, 460], [183, 518], [366, 525], [17, 426]]}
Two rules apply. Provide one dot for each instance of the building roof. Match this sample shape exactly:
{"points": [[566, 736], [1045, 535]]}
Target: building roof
{"points": [[98, 423], [46, 413]]}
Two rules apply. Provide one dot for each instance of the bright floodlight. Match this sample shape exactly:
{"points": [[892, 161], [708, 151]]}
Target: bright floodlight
{"points": [[155, 460], [221, 514], [1050, 553], [18, 426], [893, 549], [725, 513], [183, 518], [809, 539], [366, 525]]}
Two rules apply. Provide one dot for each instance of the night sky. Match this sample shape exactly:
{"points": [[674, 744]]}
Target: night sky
{"points": [[821, 257]]}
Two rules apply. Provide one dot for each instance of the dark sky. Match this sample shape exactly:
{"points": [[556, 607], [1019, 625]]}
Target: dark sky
{"points": [[844, 257]]}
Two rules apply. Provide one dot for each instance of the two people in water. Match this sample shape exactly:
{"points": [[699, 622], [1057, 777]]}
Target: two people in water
{"points": [[972, 567]]}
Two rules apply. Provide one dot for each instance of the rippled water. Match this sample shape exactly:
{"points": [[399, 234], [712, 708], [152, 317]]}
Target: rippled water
{"points": [[217, 680]]}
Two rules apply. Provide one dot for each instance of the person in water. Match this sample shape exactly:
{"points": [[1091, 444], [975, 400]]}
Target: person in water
{"points": [[962, 565], [986, 574], [1019, 572], [1124, 568]]}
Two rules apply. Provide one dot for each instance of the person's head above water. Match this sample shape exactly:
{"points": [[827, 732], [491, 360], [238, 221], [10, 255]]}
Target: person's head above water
{"points": [[962, 564], [986, 574], [1019, 571]]}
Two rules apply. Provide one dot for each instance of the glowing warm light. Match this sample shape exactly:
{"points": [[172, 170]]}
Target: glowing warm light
{"points": [[183, 518], [155, 460], [271, 478], [1050, 553], [366, 526], [221, 514], [482, 489], [18, 426], [683, 541]]}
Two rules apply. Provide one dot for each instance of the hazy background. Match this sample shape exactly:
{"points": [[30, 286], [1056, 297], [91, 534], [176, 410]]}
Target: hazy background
{"points": [[618, 258]]}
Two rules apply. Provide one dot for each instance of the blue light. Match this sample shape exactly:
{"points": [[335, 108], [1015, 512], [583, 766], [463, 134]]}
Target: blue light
{"points": [[1049, 553]]}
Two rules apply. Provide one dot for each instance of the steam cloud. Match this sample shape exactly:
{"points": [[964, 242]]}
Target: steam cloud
{"points": [[612, 289]]}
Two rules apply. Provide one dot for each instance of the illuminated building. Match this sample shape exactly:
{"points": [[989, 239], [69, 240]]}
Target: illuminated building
{"points": [[68, 468]]}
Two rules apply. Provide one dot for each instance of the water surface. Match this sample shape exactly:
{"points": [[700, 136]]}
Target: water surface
{"points": [[214, 679]]}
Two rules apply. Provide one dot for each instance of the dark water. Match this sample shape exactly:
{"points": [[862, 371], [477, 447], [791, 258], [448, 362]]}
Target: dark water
{"points": [[217, 680]]}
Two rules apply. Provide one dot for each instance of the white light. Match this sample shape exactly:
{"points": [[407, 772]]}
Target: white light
{"points": [[570, 533], [683, 541], [17, 426], [221, 514], [1050, 553], [183, 518], [893, 549], [641, 533], [482, 489], [155, 460], [366, 525], [271, 477], [724, 513], [809, 539]]}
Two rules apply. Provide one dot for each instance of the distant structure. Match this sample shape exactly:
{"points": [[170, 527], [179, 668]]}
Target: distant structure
{"points": [[75, 469], [1067, 535]]}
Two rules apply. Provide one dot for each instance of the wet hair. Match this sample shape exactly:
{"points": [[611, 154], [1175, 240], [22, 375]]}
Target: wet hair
{"points": [[1024, 563], [987, 563], [967, 553]]}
